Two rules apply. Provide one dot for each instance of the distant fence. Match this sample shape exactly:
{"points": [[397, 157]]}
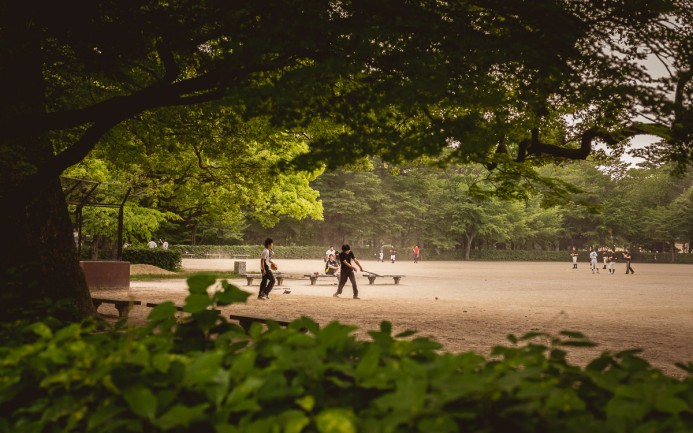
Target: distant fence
{"points": [[316, 252]]}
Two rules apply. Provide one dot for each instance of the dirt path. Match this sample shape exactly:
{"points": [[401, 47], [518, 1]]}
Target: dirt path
{"points": [[475, 305]]}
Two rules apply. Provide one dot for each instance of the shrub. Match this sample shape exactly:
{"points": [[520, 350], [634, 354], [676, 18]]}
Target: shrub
{"points": [[205, 374], [253, 251], [166, 259]]}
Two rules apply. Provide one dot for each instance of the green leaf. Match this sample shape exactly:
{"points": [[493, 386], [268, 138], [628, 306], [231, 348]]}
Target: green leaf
{"points": [[161, 362], [336, 421], [199, 283], [141, 400], [163, 311], [42, 330], [181, 416], [672, 405], [572, 334], [204, 368], [230, 294], [439, 424], [103, 414], [407, 333], [307, 402], [195, 303], [293, 421]]}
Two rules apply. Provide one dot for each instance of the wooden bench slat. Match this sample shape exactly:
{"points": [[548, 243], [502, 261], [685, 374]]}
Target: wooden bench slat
{"points": [[250, 277], [314, 277]]}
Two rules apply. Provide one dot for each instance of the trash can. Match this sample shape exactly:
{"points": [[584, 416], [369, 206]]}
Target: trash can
{"points": [[239, 267]]}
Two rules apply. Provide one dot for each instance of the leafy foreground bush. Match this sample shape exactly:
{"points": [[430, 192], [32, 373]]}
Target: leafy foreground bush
{"points": [[206, 375]]}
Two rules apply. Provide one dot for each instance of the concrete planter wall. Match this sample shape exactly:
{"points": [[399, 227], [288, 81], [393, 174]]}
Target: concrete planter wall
{"points": [[106, 274]]}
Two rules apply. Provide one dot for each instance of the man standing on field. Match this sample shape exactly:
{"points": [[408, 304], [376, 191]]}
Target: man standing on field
{"points": [[593, 260], [348, 271]]}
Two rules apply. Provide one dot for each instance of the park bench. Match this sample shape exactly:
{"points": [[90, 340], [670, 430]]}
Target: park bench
{"points": [[122, 305], [178, 307], [314, 277], [246, 321], [212, 255], [372, 277], [188, 255], [250, 277], [241, 256]]}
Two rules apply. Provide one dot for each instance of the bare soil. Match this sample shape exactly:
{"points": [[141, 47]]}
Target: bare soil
{"points": [[475, 305]]}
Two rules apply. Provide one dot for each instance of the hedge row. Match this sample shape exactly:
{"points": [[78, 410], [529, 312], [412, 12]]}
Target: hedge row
{"points": [[201, 373], [316, 252], [252, 251], [165, 259]]}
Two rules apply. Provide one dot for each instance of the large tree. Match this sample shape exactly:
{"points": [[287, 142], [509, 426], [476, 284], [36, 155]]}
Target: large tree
{"points": [[402, 79]]}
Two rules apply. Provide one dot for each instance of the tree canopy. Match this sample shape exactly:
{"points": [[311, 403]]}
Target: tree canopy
{"points": [[506, 84]]}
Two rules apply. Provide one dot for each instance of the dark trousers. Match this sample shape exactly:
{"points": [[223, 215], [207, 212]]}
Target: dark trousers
{"points": [[628, 268], [267, 282], [347, 274]]}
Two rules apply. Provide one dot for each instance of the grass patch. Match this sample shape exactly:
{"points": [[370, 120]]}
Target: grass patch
{"points": [[183, 275]]}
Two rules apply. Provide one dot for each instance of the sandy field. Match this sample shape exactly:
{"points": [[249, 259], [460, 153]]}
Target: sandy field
{"points": [[475, 305]]}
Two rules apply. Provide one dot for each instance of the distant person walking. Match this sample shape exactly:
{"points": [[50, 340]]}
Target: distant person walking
{"points": [[382, 253], [627, 257], [393, 253], [266, 267], [574, 255], [348, 271], [593, 261], [416, 253], [605, 257]]}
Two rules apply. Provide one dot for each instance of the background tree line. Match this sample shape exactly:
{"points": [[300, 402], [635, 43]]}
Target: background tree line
{"points": [[458, 207]]}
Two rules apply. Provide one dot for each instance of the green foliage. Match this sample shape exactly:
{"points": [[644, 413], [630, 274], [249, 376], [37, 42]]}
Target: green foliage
{"points": [[202, 373], [166, 259], [252, 251]]}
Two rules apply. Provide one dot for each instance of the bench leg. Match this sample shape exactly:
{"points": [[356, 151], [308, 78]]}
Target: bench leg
{"points": [[371, 280], [313, 280], [123, 309], [245, 324], [96, 304], [250, 281], [397, 279], [280, 280]]}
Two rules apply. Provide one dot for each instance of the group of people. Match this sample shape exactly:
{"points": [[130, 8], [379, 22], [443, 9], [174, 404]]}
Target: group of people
{"points": [[393, 253], [340, 265], [162, 242], [610, 258]]}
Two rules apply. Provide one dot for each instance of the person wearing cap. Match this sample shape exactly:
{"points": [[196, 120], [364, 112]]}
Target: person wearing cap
{"points": [[348, 271]]}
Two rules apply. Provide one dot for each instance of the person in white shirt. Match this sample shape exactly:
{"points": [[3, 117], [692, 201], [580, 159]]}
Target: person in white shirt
{"points": [[593, 261], [266, 267], [330, 252]]}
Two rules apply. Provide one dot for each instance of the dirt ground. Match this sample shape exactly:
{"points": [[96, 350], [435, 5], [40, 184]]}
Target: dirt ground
{"points": [[475, 305]]}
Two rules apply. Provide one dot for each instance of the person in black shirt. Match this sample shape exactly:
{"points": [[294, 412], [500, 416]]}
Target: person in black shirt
{"points": [[348, 271]]}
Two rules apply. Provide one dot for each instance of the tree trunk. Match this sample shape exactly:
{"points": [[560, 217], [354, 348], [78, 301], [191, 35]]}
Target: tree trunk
{"points": [[468, 245], [39, 268]]}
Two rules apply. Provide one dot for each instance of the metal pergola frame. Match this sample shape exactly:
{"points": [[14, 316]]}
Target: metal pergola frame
{"points": [[81, 193]]}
